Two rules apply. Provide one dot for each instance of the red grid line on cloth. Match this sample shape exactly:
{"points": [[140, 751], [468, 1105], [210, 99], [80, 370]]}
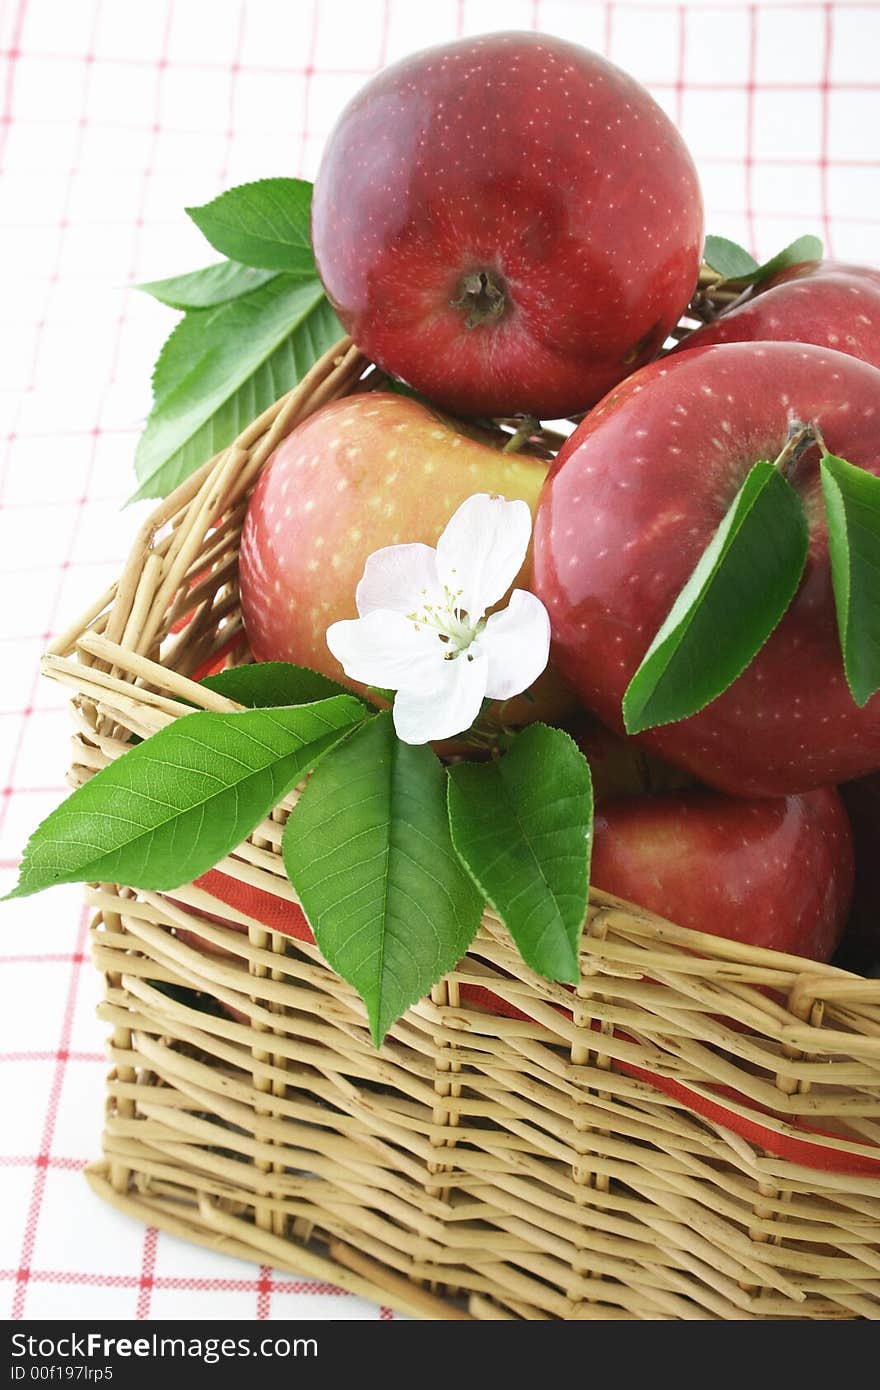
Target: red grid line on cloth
{"points": [[31, 791], [825, 88], [148, 1269], [267, 70], [48, 565], [234, 69], [29, 712], [38, 507], [11, 57], [307, 74], [264, 1292], [81, 503], [766, 160], [681, 66], [178, 1282], [64, 1054], [149, 1247], [749, 160], [64, 1165], [23, 1273], [67, 957], [54, 434], [63, 226]]}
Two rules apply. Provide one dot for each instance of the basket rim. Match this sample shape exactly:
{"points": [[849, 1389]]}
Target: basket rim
{"points": [[814, 982]]}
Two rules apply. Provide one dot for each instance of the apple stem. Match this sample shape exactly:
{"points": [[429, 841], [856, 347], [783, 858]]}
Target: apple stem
{"points": [[524, 431], [800, 438], [820, 440], [484, 295]]}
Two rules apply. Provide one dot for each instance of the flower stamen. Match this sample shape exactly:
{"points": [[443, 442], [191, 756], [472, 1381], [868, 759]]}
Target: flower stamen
{"points": [[452, 623]]}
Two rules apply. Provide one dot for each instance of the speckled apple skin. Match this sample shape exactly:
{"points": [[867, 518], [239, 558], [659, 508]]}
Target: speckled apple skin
{"points": [[364, 472], [776, 873], [524, 155], [630, 505], [821, 302]]}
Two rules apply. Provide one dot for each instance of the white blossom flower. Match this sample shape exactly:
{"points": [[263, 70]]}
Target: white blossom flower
{"points": [[423, 630]]}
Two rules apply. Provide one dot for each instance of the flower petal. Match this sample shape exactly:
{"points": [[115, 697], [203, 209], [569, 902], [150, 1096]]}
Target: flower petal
{"points": [[397, 578], [448, 707], [482, 550], [516, 642], [385, 649]]}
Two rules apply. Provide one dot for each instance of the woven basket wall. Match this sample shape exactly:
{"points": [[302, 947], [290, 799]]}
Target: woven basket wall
{"points": [[694, 1133]]}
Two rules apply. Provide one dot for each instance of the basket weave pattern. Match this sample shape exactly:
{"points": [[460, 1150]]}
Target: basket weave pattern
{"points": [[687, 1135]]}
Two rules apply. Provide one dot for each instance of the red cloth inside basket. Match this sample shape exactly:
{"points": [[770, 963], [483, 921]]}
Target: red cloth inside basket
{"points": [[797, 1147]]}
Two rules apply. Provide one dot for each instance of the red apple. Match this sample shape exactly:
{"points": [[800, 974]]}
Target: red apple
{"points": [[862, 801], [509, 223], [367, 471], [775, 873], [821, 302], [629, 507]]}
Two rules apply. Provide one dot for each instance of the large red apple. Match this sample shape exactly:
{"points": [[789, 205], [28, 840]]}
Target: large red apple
{"points": [[509, 223], [629, 507], [862, 801], [367, 471], [821, 302], [775, 873]]}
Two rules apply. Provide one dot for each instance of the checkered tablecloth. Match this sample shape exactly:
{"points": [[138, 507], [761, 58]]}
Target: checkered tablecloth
{"points": [[114, 114]]}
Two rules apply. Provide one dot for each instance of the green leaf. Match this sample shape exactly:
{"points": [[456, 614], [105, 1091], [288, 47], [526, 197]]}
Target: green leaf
{"points": [[738, 592], [221, 367], [266, 684], [204, 289], [727, 258], [806, 248], [368, 850], [181, 354], [522, 824], [263, 224], [734, 262], [172, 806], [852, 506]]}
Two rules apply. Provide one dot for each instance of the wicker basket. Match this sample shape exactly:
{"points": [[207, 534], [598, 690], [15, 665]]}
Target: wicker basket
{"points": [[693, 1133]]}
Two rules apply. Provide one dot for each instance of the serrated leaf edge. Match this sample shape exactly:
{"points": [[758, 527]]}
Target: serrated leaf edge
{"points": [[636, 727], [20, 892], [145, 490], [841, 572], [195, 214], [575, 976]]}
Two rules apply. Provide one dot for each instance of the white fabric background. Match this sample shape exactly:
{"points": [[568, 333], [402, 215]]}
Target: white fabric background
{"points": [[114, 114]]}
